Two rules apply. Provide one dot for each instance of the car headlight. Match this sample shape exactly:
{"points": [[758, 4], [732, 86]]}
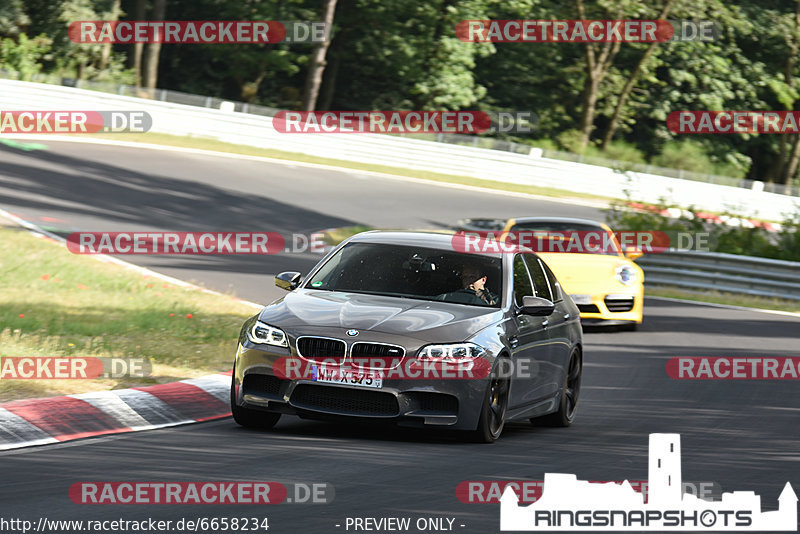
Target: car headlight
{"points": [[264, 334], [625, 274], [451, 353]]}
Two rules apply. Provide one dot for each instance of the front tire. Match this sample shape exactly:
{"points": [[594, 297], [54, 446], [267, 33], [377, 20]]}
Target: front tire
{"points": [[493, 411], [570, 392], [251, 418]]}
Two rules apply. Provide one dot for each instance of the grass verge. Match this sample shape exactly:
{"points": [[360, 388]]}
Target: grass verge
{"points": [[716, 297], [56, 304]]}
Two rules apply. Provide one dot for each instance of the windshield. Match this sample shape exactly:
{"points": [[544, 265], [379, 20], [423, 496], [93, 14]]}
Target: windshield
{"points": [[567, 237], [412, 272]]}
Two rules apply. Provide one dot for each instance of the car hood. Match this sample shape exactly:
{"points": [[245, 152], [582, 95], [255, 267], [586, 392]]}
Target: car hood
{"points": [[426, 320], [589, 273]]}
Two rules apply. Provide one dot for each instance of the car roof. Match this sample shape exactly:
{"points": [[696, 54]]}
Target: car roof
{"points": [[411, 238]]}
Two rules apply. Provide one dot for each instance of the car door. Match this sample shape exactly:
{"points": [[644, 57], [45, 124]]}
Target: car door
{"points": [[530, 345], [556, 325]]}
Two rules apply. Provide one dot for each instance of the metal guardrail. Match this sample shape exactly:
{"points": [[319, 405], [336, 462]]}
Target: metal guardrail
{"points": [[178, 97], [254, 130], [729, 273], [160, 95]]}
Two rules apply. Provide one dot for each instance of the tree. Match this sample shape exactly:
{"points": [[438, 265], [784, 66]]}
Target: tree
{"points": [[598, 61], [792, 40], [316, 63], [622, 99], [113, 14], [23, 56], [13, 19], [140, 13], [154, 49], [447, 78]]}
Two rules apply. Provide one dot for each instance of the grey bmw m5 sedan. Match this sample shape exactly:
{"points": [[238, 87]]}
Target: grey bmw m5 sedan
{"points": [[404, 327]]}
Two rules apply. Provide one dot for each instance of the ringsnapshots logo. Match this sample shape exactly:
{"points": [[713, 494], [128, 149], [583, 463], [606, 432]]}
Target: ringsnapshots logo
{"points": [[570, 504]]}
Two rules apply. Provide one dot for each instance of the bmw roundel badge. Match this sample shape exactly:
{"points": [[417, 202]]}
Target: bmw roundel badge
{"points": [[352, 332]]}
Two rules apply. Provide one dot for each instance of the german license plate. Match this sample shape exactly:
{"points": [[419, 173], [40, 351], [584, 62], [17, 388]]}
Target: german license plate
{"points": [[347, 377], [582, 299]]}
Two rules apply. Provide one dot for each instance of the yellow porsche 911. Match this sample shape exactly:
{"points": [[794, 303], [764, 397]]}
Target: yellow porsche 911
{"points": [[586, 256]]}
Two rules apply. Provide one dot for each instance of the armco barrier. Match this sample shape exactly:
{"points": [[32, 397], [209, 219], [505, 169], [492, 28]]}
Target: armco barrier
{"points": [[730, 273], [257, 131]]}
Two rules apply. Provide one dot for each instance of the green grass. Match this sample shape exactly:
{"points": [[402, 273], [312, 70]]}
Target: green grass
{"points": [[55, 303], [730, 299], [219, 146]]}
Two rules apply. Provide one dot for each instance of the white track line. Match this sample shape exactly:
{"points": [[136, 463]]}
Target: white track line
{"points": [[728, 306]]}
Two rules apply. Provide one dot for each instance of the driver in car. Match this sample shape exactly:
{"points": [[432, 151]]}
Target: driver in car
{"points": [[474, 290]]}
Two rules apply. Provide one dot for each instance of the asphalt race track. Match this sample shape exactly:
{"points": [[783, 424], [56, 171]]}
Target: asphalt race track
{"points": [[108, 189], [743, 435]]}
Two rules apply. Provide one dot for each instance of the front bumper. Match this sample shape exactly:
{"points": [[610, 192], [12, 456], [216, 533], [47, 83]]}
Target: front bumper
{"points": [[605, 308], [453, 402]]}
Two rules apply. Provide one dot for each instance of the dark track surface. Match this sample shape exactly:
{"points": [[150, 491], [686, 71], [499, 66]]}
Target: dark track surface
{"points": [[743, 435]]}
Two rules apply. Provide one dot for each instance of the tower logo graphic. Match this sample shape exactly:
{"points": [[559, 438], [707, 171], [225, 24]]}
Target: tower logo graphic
{"points": [[571, 504]]}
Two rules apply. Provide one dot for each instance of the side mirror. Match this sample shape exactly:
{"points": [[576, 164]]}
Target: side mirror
{"points": [[537, 306], [633, 253], [288, 280]]}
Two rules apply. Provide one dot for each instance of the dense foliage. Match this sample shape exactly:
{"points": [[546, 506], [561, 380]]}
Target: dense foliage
{"points": [[738, 236]]}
